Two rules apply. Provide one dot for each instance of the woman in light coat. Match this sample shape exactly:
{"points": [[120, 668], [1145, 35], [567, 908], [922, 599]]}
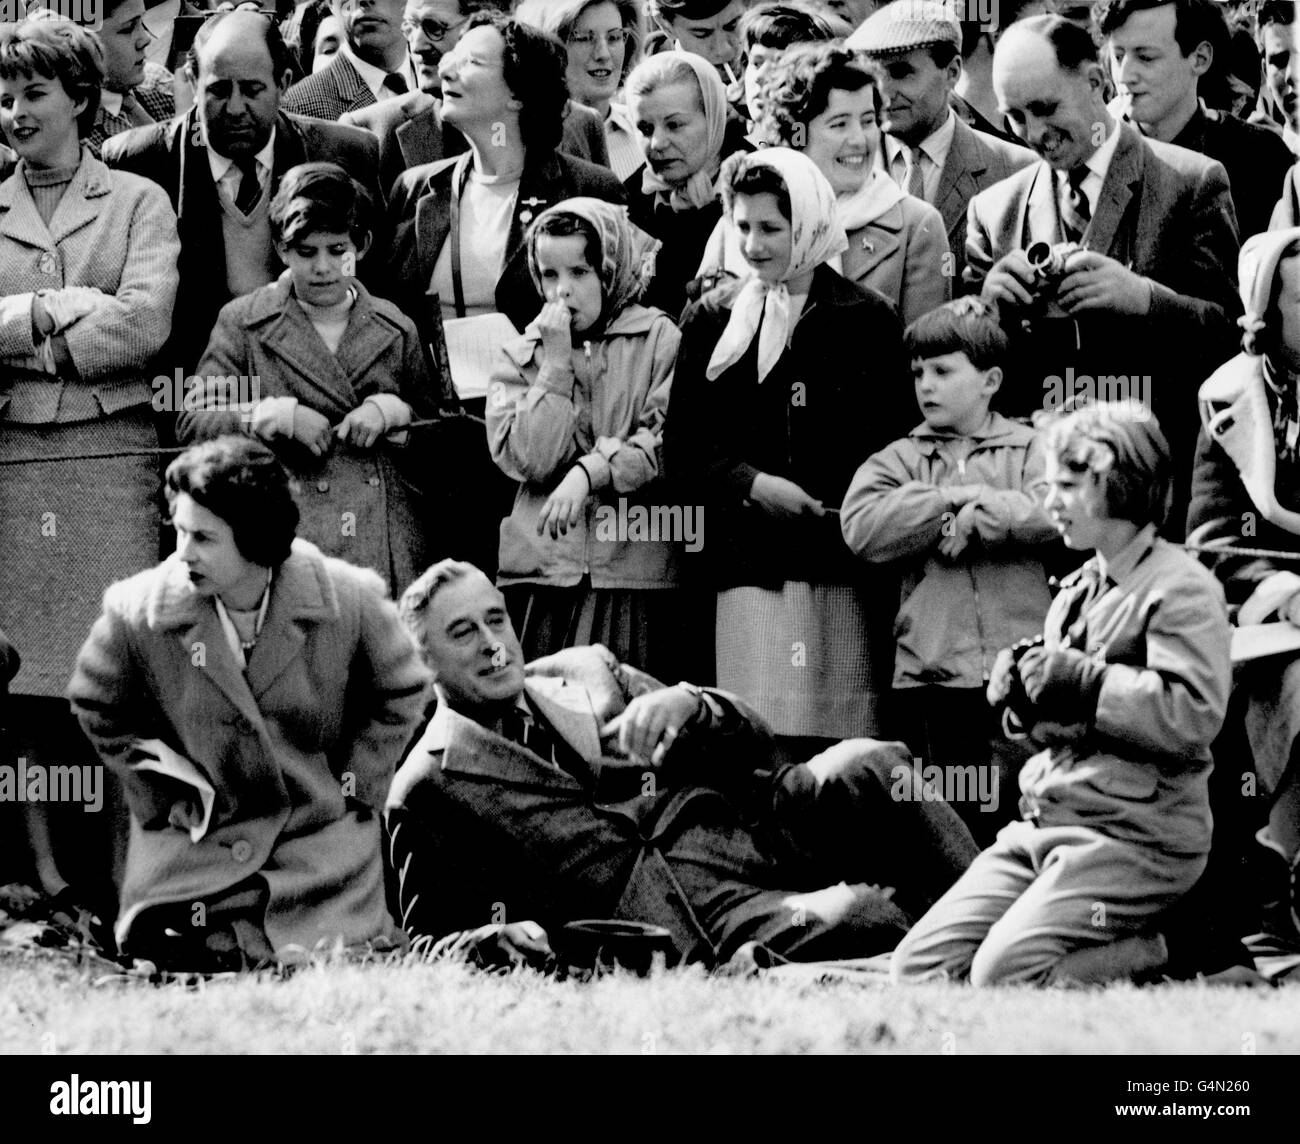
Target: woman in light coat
{"points": [[254, 697], [87, 283]]}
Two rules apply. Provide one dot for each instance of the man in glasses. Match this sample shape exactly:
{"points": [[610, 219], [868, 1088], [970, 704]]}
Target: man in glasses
{"points": [[410, 129], [372, 64]]}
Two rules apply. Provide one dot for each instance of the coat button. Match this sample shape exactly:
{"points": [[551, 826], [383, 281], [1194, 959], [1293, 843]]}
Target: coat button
{"points": [[373, 482], [322, 486], [47, 263], [241, 850]]}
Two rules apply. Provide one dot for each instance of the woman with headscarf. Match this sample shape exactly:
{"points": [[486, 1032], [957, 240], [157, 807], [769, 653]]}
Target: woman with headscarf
{"points": [[575, 415], [679, 106], [770, 418], [826, 102], [1246, 493]]}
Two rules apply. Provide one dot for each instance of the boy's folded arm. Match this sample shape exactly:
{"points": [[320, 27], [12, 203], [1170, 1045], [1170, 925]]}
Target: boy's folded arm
{"points": [[887, 515], [1009, 515], [1177, 702]]}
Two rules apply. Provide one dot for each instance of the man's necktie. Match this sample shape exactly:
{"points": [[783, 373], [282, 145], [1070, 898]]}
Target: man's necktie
{"points": [[915, 176], [524, 730], [1075, 211], [396, 83], [250, 190]]}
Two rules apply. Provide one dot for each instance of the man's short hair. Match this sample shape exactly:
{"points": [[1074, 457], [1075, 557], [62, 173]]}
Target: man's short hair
{"points": [[282, 57], [241, 481], [966, 325], [781, 25], [418, 598], [1275, 12], [1073, 45], [1195, 21], [1121, 445]]}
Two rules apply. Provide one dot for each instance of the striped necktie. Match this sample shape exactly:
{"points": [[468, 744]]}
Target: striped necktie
{"points": [[915, 174]]}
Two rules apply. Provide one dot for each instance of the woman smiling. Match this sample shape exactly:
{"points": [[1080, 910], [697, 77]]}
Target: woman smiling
{"points": [[603, 38]]}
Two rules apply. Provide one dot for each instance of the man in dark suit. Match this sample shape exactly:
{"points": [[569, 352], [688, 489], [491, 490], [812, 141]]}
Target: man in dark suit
{"points": [[1159, 50], [410, 129], [928, 149], [371, 65], [1146, 308], [221, 164], [579, 787]]}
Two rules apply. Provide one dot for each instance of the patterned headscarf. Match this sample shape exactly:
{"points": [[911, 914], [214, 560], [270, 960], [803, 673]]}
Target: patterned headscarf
{"points": [[698, 190], [623, 260], [816, 235]]}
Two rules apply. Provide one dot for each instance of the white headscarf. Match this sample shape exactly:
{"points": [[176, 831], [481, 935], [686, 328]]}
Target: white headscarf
{"points": [[816, 235], [699, 189]]}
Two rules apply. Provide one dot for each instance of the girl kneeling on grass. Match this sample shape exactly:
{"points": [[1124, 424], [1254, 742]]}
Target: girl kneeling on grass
{"points": [[1125, 696], [575, 414]]}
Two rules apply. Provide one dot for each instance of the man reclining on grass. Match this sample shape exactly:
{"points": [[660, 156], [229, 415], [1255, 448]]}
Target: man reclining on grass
{"points": [[578, 787]]}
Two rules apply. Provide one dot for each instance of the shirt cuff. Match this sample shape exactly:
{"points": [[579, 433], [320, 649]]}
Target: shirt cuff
{"points": [[395, 412], [273, 417], [1269, 598]]}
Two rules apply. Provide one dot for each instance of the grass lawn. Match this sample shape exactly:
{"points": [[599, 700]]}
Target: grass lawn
{"points": [[49, 1005]]}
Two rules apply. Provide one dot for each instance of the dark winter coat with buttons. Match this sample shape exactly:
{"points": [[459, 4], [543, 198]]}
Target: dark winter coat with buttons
{"points": [[299, 750], [361, 505]]}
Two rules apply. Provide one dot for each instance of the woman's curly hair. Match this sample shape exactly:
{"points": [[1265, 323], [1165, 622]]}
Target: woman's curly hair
{"points": [[797, 88], [534, 65]]}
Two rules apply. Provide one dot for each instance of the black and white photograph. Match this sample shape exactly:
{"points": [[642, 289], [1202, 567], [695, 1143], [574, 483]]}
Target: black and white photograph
{"points": [[650, 528]]}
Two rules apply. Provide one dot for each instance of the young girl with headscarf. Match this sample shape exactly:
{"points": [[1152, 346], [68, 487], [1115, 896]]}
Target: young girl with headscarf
{"points": [[1246, 493], [679, 106], [777, 401], [575, 415]]}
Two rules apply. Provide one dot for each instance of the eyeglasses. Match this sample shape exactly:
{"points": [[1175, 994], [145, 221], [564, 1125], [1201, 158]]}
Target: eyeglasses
{"points": [[435, 30], [587, 40]]}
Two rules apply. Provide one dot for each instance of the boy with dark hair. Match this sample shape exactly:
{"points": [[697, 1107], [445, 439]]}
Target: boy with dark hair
{"points": [[957, 503]]}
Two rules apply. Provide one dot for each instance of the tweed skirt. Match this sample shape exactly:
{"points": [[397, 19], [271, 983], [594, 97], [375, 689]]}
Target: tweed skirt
{"points": [[69, 529], [812, 659]]}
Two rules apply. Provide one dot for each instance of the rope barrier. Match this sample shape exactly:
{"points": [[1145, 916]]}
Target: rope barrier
{"points": [[442, 422], [174, 451]]}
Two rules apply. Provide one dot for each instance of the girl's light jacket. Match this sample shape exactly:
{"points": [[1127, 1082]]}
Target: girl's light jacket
{"points": [[605, 411]]}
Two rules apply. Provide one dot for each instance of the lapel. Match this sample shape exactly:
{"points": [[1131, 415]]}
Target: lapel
{"points": [[289, 151], [540, 186], [470, 749], [874, 244], [79, 206], [174, 606], [286, 331], [351, 88], [1123, 176], [420, 138], [433, 219], [1038, 213], [198, 209], [301, 595], [958, 180]]}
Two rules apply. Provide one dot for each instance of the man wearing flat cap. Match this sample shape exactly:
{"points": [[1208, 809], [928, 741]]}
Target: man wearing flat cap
{"points": [[928, 150]]}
